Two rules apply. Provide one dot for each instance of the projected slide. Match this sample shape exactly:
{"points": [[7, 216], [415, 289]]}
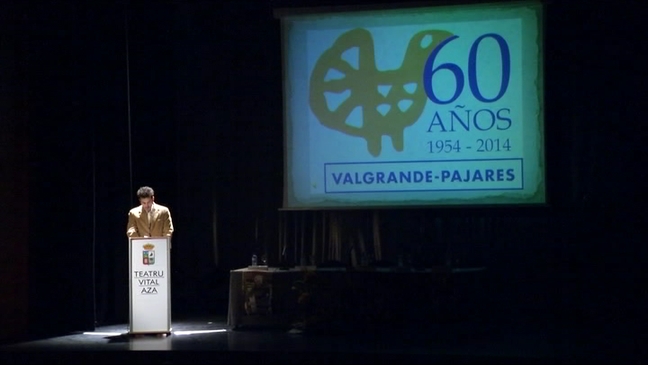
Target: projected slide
{"points": [[414, 107]]}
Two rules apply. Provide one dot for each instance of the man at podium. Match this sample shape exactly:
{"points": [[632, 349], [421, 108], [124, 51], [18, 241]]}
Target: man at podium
{"points": [[149, 219]]}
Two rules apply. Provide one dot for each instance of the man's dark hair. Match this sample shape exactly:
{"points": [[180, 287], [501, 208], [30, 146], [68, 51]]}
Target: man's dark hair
{"points": [[145, 192]]}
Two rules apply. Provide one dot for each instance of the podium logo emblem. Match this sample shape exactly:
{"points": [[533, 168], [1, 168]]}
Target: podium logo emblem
{"points": [[148, 255]]}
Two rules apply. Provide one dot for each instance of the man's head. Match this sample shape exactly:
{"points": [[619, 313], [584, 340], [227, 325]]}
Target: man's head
{"points": [[146, 196]]}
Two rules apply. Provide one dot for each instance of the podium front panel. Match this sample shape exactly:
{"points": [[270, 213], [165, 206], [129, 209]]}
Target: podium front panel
{"points": [[150, 289]]}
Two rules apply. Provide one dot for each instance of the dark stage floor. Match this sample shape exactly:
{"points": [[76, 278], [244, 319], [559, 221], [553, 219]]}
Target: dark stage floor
{"points": [[213, 342]]}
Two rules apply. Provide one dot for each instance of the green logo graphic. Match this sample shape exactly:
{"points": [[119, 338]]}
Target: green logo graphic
{"points": [[390, 100]]}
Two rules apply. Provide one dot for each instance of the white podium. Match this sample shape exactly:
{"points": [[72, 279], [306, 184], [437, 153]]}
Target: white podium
{"points": [[150, 285]]}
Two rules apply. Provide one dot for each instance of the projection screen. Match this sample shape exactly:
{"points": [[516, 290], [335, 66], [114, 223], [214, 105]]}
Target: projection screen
{"points": [[422, 106]]}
